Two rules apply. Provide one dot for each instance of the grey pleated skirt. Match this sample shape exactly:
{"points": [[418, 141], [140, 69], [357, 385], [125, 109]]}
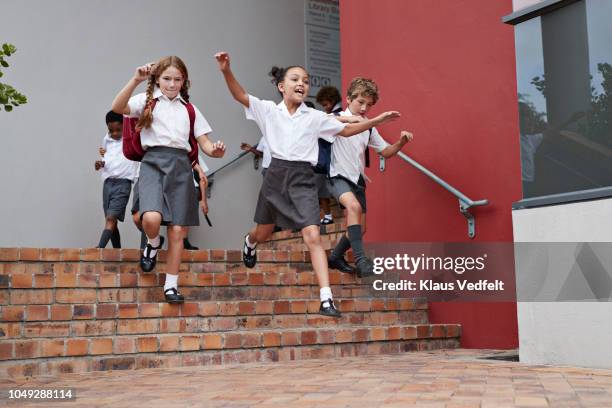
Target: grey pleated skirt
{"points": [[166, 186], [288, 196]]}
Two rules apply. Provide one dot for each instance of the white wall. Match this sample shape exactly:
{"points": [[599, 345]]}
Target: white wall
{"points": [[571, 333], [521, 4], [74, 56]]}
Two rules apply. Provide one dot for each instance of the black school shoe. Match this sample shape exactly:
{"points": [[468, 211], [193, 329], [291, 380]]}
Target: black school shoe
{"points": [[365, 267], [330, 310], [147, 264], [249, 256], [339, 264], [187, 245], [173, 296]]}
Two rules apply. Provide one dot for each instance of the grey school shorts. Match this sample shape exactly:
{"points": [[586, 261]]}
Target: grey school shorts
{"points": [[115, 197], [288, 196], [166, 186], [340, 185]]}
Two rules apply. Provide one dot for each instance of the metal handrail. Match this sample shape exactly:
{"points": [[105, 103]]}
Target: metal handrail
{"points": [[465, 203], [229, 163], [211, 175]]}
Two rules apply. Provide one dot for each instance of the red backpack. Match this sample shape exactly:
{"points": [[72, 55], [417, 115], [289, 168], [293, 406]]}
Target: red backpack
{"points": [[132, 148]]}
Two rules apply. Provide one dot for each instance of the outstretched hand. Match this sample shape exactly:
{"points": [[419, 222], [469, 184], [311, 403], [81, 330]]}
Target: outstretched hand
{"points": [[223, 60], [387, 116], [406, 136], [246, 147], [218, 149]]}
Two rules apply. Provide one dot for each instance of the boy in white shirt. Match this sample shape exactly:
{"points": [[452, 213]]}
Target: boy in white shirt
{"points": [[347, 180], [117, 175]]}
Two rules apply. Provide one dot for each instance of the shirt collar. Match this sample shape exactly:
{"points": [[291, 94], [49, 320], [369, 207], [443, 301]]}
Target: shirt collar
{"points": [[158, 94], [108, 138], [301, 109]]}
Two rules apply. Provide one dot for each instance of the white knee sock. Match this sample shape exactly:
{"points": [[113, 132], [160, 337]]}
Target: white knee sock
{"points": [[154, 243], [325, 294], [171, 282], [248, 243]]}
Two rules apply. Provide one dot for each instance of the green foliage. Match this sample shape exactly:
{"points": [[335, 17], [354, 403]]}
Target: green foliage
{"points": [[9, 96]]}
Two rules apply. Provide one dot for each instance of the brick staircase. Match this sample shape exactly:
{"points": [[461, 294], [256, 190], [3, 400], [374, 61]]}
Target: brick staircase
{"points": [[78, 310]]}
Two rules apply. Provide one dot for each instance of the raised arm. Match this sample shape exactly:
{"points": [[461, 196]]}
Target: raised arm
{"points": [[355, 128], [233, 85], [392, 150], [120, 103]]}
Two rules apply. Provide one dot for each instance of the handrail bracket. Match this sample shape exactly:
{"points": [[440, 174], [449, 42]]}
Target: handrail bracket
{"points": [[464, 208]]}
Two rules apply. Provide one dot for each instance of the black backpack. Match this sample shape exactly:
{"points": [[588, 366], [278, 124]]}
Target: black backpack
{"points": [[324, 160]]}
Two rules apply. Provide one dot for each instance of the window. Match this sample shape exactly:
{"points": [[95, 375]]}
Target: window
{"points": [[564, 80]]}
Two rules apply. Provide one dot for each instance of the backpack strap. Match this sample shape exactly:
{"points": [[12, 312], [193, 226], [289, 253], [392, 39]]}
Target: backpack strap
{"points": [[193, 155]]}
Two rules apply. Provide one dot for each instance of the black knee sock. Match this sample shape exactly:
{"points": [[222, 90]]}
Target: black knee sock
{"points": [[341, 247], [354, 236], [106, 235], [116, 238]]}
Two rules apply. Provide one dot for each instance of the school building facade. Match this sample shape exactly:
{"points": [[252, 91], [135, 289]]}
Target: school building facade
{"points": [[457, 71], [506, 102]]}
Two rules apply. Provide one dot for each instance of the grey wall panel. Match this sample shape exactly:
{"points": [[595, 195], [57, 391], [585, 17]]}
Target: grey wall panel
{"points": [[74, 56]]}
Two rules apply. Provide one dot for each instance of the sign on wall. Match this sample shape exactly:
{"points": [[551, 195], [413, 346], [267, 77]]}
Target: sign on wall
{"points": [[322, 21]]}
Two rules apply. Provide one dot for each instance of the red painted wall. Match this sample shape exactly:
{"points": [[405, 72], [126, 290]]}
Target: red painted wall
{"points": [[449, 67]]}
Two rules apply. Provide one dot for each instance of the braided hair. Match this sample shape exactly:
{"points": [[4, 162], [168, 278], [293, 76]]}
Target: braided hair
{"points": [[146, 118]]}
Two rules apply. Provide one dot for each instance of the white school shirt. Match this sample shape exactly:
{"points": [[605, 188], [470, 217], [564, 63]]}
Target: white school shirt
{"points": [[292, 137], [348, 153], [115, 163], [263, 147], [170, 127]]}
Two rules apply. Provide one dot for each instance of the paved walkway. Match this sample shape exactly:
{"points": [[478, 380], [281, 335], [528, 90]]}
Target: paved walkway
{"points": [[447, 379]]}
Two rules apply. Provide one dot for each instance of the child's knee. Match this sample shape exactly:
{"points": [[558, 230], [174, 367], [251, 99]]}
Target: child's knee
{"points": [[177, 232], [311, 236], [151, 217], [354, 207]]}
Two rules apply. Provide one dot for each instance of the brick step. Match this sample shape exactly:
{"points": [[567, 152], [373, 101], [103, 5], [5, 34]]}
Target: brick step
{"points": [[328, 242], [326, 230], [111, 327], [44, 256], [104, 311], [62, 276], [17, 297], [40, 357]]}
